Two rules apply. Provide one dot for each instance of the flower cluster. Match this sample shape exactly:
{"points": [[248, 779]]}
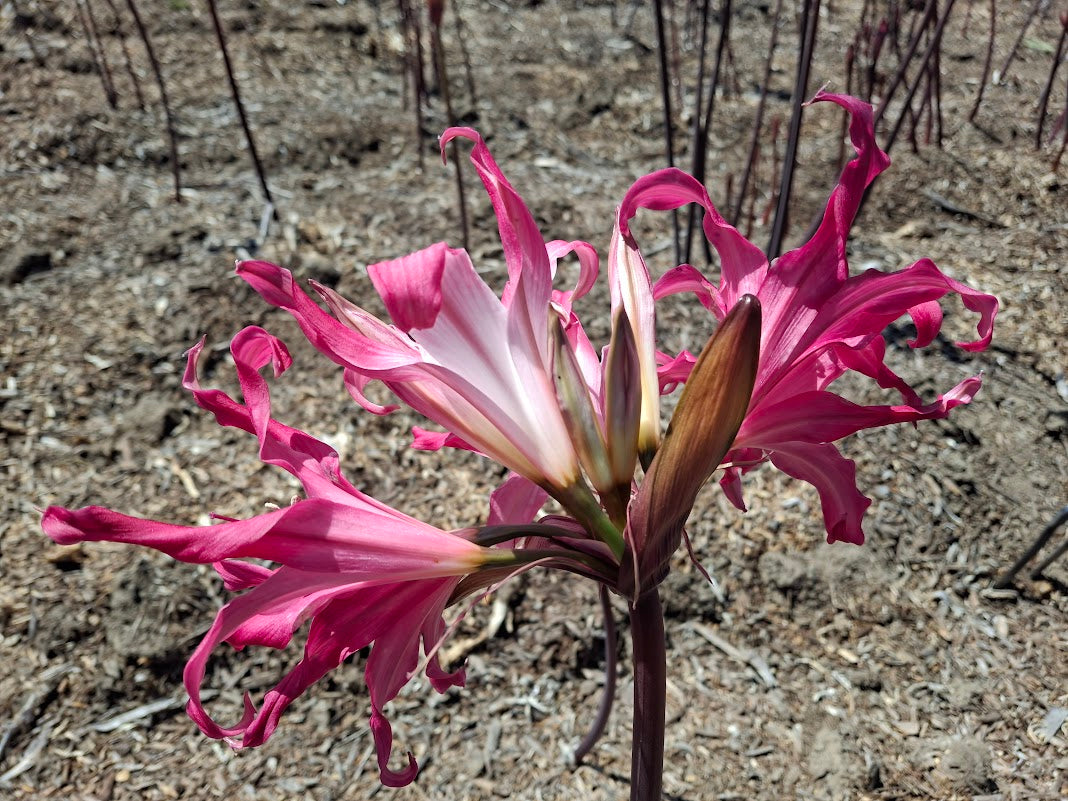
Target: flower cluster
{"points": [[514, 377]]}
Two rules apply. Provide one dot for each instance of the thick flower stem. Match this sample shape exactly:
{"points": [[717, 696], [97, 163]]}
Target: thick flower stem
{"points": [[650, 685]]}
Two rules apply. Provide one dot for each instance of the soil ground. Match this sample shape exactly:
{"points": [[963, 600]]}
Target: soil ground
{"points": [[889, 671]]}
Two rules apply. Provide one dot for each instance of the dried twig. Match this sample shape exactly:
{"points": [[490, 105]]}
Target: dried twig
{"points": [[236, 94], [665, 96], [126, 55], [758, 120], [702, 127], [809, 20], [999, 76], [987, 62], [437, 49], [1046, 534], [96, 48], [751, 658], [47, 681], [171, 136], [1043, 100]]}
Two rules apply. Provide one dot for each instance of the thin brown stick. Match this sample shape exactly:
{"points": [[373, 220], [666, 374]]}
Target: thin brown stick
{"points": [[126, 55], [236, 94], [438, 54], [700, 152], [987, 62], [1006, 578], [96, 49], [461, 37], [665, 97], [902, 68], [758, 119], [999, 76], [151, 51], [810, 18], [1043, 100]]}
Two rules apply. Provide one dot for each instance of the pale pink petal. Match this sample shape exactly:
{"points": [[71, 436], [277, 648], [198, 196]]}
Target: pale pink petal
{"points": [[529, 280]]}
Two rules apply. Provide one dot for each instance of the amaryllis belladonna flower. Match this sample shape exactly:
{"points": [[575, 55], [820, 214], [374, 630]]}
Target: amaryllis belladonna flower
{"points": [[515, 378]]}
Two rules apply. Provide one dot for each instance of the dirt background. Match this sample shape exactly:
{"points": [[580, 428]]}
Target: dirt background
{"points": [[889, 671]]}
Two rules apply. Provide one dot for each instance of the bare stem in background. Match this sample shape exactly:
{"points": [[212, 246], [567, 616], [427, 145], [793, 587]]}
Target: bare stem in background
{"points": [[96, 48], [461, 37], [438, 54], [665, 96], [809, 21], [987, 62], [906, 59], [703, 125], [1043, 101], [758, 120], [236, 93], [413, 57], [126, 55], [906, 104], [175, 167], [999, 76]]}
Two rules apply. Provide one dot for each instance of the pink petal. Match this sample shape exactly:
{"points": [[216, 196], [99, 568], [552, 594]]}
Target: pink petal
{"points": [[819, 417], [742, 264], [834, 477], [516, 501], [589, 266], [687, 278], [411, 286], [358, 539]]}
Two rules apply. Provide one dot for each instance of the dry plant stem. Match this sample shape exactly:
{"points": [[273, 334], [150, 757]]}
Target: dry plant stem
{"points": [[758, 120], [1043, 100], [906, 105], [413, 57], [235, 92], [97, 51], [650, 690], [438, 53], [1016, 44], [902, 69], [698, 101], [987, 62], [175, 167], [461, 37], [1006, 578], [809, 20], [126, 55], [610, 673], [665, 95], [700, 142]]}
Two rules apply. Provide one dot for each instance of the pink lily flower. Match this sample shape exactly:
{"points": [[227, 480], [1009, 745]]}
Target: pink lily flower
{"points": [[479, 365], [818, 322], [361, 571]]}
